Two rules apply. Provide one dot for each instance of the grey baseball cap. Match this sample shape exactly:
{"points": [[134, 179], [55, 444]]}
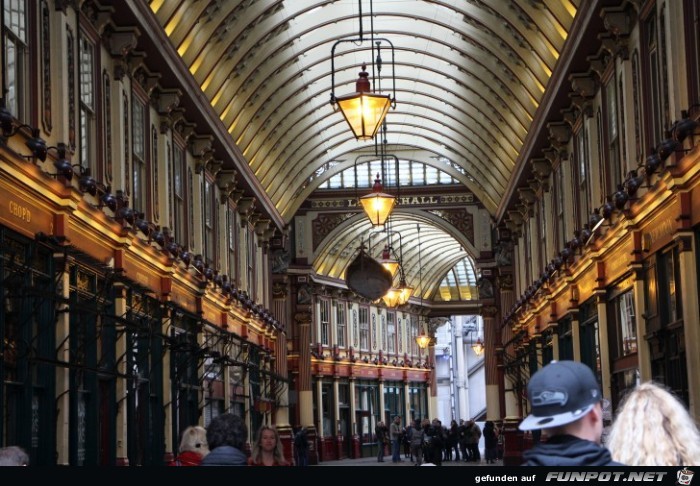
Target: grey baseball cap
{"points": [[560, 393]]}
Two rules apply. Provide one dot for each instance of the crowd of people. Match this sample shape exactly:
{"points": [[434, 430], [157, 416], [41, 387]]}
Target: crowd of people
{"points": [[426, 441], [652, 428]]}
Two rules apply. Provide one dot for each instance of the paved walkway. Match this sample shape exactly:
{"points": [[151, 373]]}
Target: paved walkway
{"points": [[372, 461]]}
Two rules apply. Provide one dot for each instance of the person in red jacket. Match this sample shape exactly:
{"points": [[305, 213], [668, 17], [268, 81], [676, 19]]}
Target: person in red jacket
{"points": [[193, 447]]}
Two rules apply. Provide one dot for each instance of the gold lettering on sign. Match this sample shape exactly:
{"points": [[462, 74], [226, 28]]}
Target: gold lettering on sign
{"points": [[20, 212], [627, 283], [616, 265], [141, 278], [665, 228], [419, 200]]}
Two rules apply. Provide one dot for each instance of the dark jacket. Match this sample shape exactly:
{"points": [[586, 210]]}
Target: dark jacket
{"points": [[567, 450], [225, 456]]}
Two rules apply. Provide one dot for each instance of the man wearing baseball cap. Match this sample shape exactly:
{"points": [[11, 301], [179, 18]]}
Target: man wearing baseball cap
{"points": [[565, 401]]}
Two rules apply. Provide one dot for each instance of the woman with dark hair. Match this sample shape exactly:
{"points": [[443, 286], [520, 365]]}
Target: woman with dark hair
{"points": [[226, 436]]}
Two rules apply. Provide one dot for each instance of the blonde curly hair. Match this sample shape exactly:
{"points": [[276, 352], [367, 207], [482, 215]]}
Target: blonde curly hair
{"points": [[194, 439], [653, 428]]}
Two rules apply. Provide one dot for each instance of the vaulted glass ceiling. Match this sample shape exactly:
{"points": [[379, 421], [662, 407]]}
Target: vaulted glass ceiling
{"points": [[470, 75]]}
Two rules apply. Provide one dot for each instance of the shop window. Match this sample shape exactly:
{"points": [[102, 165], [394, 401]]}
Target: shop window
{"points": [[27, 323], [324, 318], [581, 161], [88, 129], [341, 323], [393, 401], [391, 332], [364, 329], [15, 39], [589, 337], [566, 345], [179, 209], [232, 244], [139, 138], [613, 172], [328, 419], [691, 15], [624, 339], [210, 220]]}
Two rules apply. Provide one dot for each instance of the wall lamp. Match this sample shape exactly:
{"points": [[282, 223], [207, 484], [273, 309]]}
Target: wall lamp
{"points": [[667, 146], [9, 125], [633, 182], [478, 347], [652, 162], [596, 220], [620, 197], [685, 126]]}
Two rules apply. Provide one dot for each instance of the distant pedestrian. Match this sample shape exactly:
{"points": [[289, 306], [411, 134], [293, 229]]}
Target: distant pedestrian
{"points": [[653, 428], [395, 436], [381, 433], [301, 447], [490, 442]]}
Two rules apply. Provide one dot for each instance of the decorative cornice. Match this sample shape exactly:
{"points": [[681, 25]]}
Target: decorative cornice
{"points": [[226, 182], [559, 133], [489, 311], [584, 84], [168, 99], [302, 317]]}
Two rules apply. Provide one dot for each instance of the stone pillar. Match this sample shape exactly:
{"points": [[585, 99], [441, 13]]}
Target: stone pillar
{"points": [[63, 373], [507, 399], [306, 415], [603, 344], [643, 353], [336, 432], [305, 404], [493, 390], [432, 382], [575, 335], [407, 402], [122, 383], [356, 446], [201, 343], [555, 342], [462, 375], [170, 446], [380, 410], [320, 431], [280, 294], [691, 327]]}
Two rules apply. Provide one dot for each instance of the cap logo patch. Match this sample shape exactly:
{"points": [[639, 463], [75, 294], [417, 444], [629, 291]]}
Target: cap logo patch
{"points": [[549, 397]]}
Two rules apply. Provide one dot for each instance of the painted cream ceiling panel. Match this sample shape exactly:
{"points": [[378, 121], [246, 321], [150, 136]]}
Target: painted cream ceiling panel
{"points": [[469, 77]]}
